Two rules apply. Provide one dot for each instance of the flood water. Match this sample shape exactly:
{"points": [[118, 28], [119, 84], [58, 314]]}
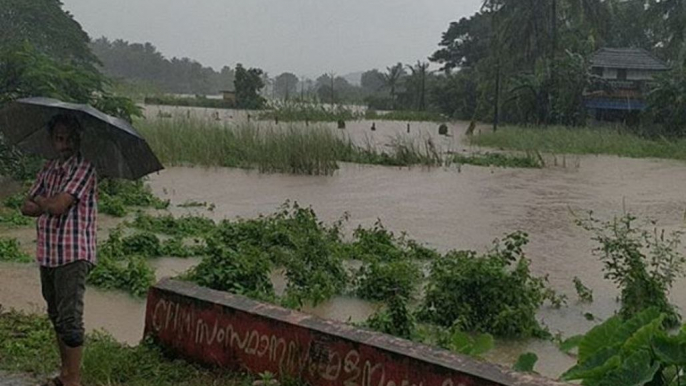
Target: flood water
{"points": [[446, 208]]}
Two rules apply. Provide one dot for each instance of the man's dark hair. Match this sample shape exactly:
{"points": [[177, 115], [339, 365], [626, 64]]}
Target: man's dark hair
{"points": [[66, 120]]}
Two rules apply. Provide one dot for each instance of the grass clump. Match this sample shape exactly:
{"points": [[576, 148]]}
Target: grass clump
{"points": [[528, 160], [197, 101], [10, 250], [26, 346], [402, 151], [495, 293], [12, 218], [582, 141]]}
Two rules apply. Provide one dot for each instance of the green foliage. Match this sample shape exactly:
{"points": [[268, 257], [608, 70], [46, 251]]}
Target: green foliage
{"points": [[396, 319], [168, 225], [584, 293], [643, 264], [243, 271], [305, 112], [495, 293], [526, 362], [528, 160], [10, 250], [667, 101], [116, 195], [377, 244], [562, 140], [248, 83], [144, 244], [381, 281], [24, 348], [472, 345], [13, 218], [175, 246], [294, 238], [111, 205], [637, 351], [116, 269]]}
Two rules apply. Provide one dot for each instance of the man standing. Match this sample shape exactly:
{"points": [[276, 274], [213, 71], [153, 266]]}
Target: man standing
{"points": [[63, 198]]}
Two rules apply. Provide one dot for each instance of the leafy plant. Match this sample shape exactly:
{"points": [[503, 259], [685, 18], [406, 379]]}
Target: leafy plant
{"points": [[526, 362], [242, 271], [144, 244], [585, 294], [381, 281], [494, 293], [10, 250], [472, 345], [637, 351], [167, 224], [395, 319], [643, 264]]}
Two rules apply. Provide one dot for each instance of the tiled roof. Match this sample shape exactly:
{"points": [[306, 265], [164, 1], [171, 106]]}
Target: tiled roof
{"points": [[629, 58]]}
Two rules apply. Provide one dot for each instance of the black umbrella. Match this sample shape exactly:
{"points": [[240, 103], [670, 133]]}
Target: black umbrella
{"points": [[111, 144]]}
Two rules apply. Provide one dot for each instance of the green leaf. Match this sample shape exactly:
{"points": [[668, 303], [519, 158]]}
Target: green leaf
{"points": [[642, 337], [628, 328], [461, 342], [482, 344], [635, 371], [596, 366], [600, 336], [571, 343], [525, 362], [670, 349]]}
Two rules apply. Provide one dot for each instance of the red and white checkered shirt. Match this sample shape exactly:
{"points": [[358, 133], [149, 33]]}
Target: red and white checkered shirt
{"points": [[71, 236]]}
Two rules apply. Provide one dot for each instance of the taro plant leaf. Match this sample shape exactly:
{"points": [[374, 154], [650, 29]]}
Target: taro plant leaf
{"points": [[526, 362], [670, 349], [635, 371], [603, 361], [642, 337], [600, 336], [461, 342], [628, 328], [571, 343], [482, 344]]}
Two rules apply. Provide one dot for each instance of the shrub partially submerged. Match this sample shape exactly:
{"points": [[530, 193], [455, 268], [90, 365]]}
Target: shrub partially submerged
{"points": [[495, 293]]}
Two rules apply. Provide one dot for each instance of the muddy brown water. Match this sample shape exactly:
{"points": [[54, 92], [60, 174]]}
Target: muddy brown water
{"points": [[446, 208]]}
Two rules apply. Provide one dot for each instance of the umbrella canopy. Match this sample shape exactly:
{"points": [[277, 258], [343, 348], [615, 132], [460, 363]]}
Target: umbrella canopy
{"points": [[111, 144]]}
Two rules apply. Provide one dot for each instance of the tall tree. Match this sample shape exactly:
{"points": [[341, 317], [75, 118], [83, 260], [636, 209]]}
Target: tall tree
{"points": [[248, 83], [465, 42], [372, 81], [285, 85], [392, 79]]}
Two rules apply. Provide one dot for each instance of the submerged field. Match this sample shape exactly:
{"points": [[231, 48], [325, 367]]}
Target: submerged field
{"points": [[446, 208]]}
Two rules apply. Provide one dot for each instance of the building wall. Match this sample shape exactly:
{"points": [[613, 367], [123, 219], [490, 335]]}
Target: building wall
{"points": [[220, 329]]}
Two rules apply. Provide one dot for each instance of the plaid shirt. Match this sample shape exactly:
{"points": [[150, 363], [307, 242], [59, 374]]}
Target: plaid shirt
{"points": [[71, 236]]}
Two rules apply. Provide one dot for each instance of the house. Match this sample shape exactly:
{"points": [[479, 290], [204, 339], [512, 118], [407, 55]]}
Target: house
{"points": [[229, 95], [622, 79]]}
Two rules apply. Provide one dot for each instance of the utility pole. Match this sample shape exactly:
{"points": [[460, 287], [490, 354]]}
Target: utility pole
{"points": [[552, 69], [332, 75], [495, 46]]}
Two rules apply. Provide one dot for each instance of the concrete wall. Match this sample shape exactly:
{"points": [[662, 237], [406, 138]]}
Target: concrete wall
{"points": [[234, 332]]}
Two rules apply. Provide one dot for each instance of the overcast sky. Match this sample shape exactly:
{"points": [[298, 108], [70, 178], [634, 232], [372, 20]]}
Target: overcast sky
{"points": [[306, 37]]}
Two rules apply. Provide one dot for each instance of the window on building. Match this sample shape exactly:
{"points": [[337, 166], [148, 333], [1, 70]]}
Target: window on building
{"points": [[597, 71], [621, 74]]}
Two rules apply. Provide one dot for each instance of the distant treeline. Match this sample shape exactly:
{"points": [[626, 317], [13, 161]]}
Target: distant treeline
{"points": [[142, 63]]}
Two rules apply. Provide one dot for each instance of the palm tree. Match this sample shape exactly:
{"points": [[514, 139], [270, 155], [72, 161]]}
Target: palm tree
{"points": [[419, 73], [392, 79]]}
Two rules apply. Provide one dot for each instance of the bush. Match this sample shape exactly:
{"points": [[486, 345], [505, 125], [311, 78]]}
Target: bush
{"points": [[643, 264], [382, 281], [130, 273], [396, 319], [167, 224], [495, 293], [144, 244], [243, 271]]}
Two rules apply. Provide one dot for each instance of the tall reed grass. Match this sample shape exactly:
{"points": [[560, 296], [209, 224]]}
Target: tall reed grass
{"points": [[296, 149], [605, 140]]}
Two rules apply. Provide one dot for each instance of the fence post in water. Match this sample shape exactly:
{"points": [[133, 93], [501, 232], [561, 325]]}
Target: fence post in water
{"points": [[443, 129], [341, 124]]}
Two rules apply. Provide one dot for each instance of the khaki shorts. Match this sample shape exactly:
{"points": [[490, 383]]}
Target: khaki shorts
{"points": [[63, 289]]}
